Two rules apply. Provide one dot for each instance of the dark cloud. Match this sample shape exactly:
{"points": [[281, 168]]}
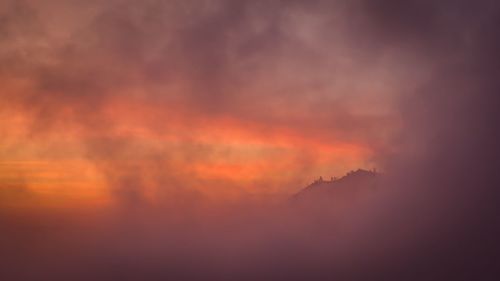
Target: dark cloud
{"points": [[444, 172]]}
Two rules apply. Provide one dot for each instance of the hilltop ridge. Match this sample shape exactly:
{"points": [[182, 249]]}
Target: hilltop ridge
{"points": [[352, 184]]}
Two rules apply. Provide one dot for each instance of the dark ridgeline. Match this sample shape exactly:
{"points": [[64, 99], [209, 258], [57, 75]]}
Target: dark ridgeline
{"points": [[354, 184]]}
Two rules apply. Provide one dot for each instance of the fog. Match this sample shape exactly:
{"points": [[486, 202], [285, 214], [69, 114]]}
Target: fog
{"points": [[434, 217]]}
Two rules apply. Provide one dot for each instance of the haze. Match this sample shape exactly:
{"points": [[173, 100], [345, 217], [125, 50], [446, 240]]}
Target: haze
{"points": [[164, 140]]}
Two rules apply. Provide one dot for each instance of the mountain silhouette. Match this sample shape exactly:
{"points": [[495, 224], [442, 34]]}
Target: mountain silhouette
{"points": [[353, 185]]}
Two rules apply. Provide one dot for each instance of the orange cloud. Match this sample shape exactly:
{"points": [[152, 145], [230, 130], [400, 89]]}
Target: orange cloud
{"points": [[207, 103]]}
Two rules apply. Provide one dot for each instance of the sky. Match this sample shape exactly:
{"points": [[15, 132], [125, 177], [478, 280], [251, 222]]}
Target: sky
{"points": [[226, 99], [154, 110]]}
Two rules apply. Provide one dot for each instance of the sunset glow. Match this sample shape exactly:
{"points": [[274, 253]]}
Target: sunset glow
{"points": [[249, 140], [218, 115]]}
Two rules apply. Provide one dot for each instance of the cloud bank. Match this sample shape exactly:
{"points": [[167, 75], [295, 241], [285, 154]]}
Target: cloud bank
{"points": [[180, 65]]}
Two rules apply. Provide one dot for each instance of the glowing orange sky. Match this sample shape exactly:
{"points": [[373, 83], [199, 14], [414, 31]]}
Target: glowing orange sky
{"points": [[134, 96], [219, 155]]}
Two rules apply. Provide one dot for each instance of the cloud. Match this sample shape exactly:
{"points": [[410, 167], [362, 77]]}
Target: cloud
{"points": [[247, 61], [106, 74]]}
